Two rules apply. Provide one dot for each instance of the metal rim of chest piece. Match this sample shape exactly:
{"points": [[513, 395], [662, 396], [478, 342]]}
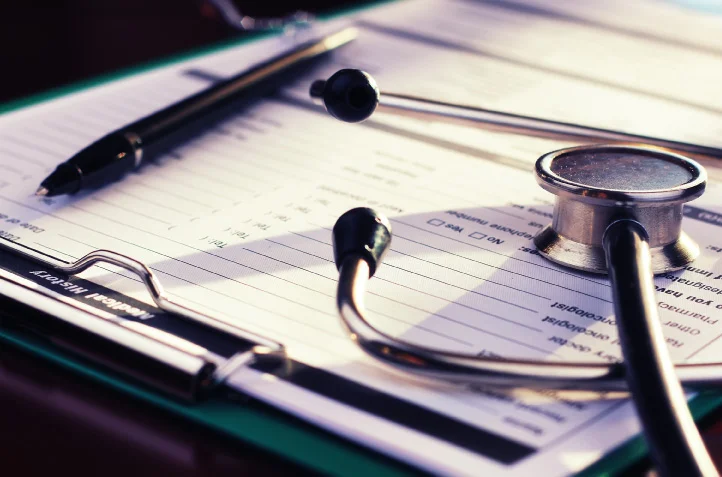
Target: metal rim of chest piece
{"points": [[599, 184]]}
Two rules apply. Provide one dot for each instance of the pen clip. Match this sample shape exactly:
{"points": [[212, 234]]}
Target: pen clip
{"points": [[290, 24]]}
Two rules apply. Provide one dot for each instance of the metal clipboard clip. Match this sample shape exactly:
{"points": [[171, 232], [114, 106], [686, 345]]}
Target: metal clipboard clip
{"points": [[155, 357]]}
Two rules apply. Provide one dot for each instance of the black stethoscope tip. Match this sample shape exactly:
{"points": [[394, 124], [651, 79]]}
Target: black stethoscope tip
{"points": [[349, 95], [361, 232]]}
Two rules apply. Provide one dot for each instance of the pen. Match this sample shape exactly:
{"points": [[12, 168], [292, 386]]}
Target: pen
{"points": [[111, 157]]}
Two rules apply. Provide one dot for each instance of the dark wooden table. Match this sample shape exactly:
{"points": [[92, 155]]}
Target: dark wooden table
{"points": [[51, 420]]}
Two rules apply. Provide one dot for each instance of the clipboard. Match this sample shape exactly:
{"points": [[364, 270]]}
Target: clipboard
{"points": [[254, 422], [251, 421]]}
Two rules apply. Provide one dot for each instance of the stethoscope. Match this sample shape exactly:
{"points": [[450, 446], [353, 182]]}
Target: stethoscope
{"points": [[618, 210]]}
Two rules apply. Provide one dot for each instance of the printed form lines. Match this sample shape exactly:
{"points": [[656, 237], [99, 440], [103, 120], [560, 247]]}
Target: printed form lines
{"points": [[501, 254], [397, 236], [477, 328], [443, 282]]}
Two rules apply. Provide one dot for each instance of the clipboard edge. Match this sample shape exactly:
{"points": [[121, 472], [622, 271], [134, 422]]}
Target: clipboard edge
{"points": [[300, 443]]}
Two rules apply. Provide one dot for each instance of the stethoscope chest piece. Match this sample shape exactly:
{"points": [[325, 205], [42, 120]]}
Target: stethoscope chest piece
{"points": [[598, 185]]}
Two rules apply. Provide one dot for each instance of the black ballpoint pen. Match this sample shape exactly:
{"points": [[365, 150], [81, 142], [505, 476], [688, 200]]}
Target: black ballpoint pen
{"points": [[112, 156]]}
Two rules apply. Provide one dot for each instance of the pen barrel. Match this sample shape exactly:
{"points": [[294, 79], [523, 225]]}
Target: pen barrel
{"points": [[200, 111], [112, 156]]}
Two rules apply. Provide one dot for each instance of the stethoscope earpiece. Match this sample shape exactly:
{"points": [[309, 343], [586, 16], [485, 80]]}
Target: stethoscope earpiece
{"points": [[361, 232], [349, 95], [353, 96]]}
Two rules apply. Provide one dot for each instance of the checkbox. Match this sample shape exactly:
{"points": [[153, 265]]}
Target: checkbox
{"points": [[477, 235], [436, 222]]}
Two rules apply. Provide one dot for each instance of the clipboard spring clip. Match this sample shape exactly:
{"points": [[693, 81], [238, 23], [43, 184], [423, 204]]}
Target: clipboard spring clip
{"points": [[153, 356]]}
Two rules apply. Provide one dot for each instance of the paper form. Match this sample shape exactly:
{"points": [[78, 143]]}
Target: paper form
{"points": [[238, 221], [674, 22], [500, 67]]}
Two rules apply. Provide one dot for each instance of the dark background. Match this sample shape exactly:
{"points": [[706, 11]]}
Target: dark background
{"points": [[45, 44]]}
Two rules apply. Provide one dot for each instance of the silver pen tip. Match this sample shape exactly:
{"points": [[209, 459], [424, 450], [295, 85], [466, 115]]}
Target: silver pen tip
{"points": [[41, 192]]}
